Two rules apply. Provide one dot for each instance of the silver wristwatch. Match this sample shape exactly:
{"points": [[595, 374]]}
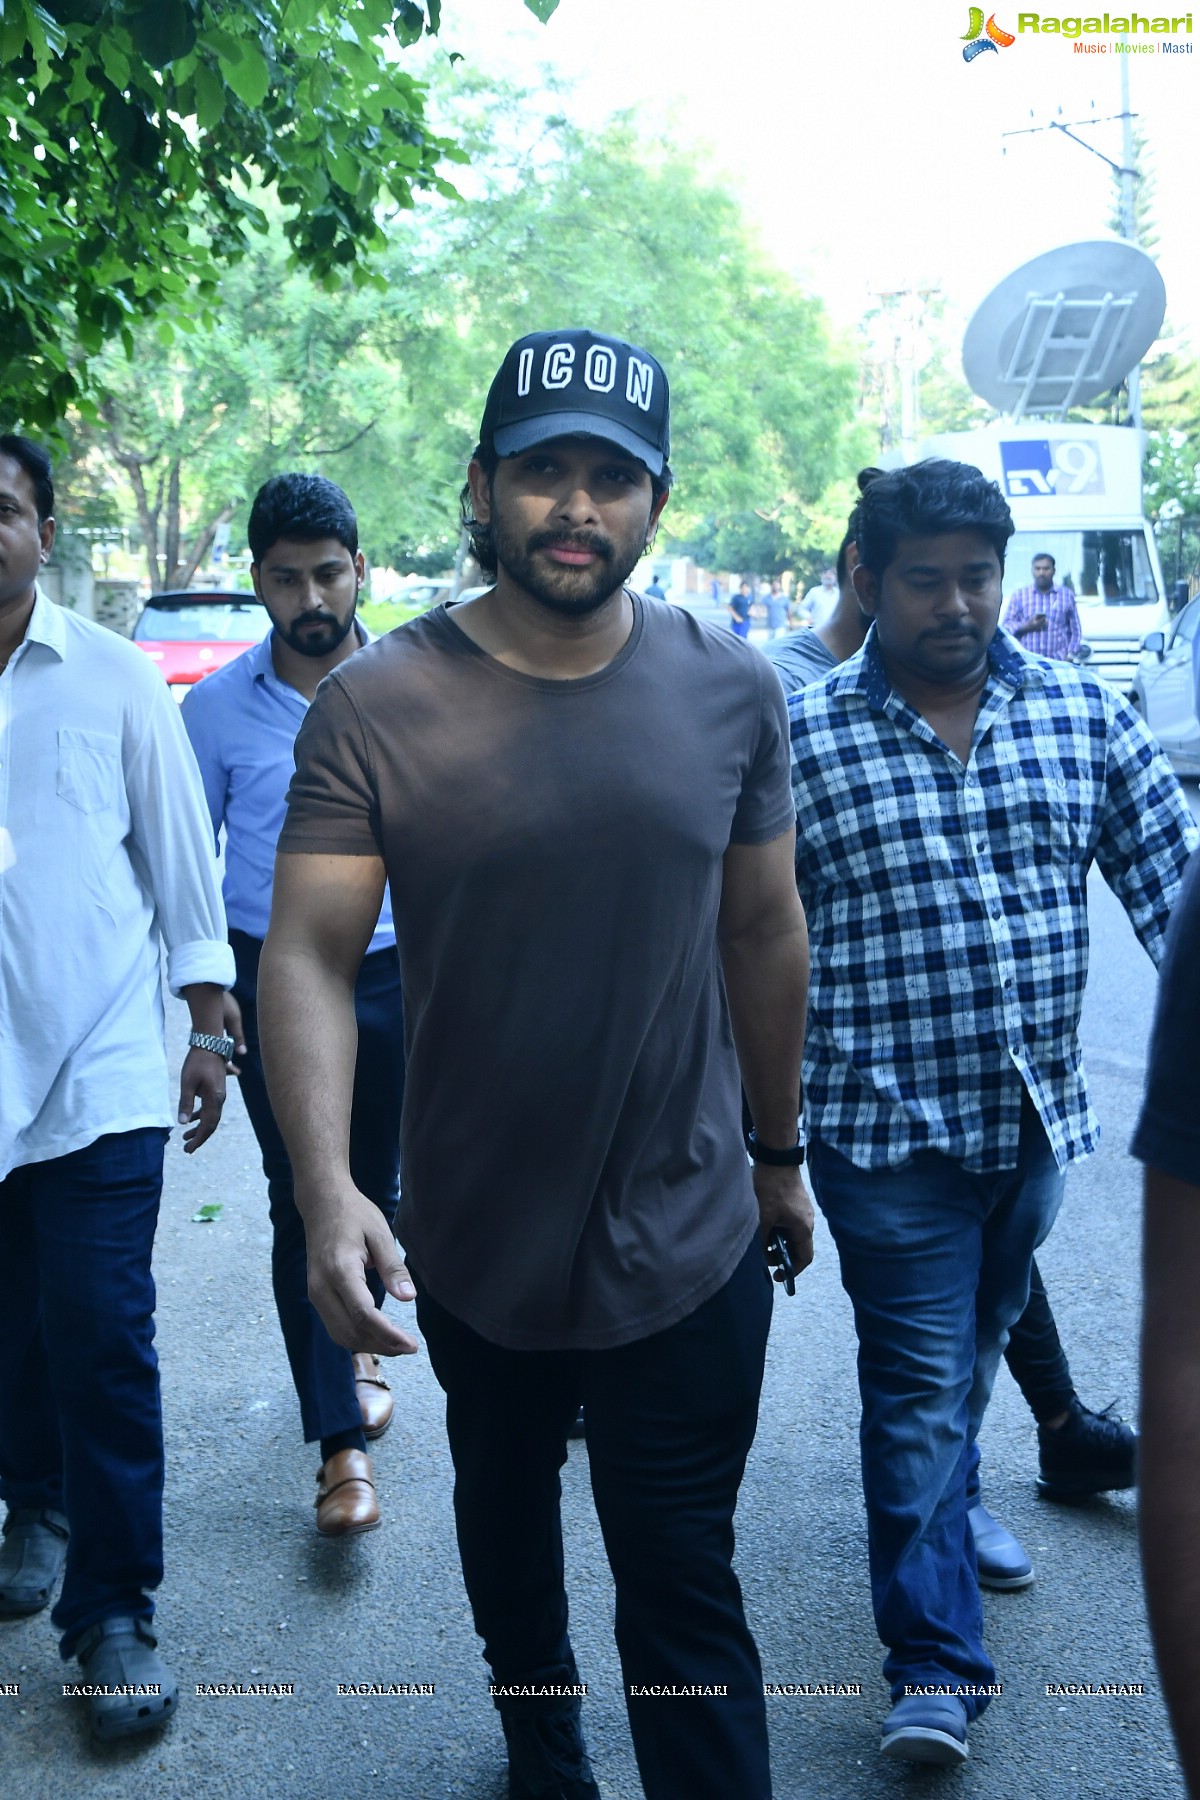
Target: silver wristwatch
{"points": [[223, 1047]]}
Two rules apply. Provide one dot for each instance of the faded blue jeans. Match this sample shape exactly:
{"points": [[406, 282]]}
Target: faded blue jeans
{"points": [[936, 1261]]}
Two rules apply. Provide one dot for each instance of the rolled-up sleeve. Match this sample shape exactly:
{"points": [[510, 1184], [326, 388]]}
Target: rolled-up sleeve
{"points": [[173, 841], [1074, 629], [1147, 832]]}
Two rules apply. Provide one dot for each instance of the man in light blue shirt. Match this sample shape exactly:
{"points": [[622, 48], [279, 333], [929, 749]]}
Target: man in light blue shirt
{"points": [[243, 721]]}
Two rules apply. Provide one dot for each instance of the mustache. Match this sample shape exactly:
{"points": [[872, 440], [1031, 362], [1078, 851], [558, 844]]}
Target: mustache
{"points": [[593, 541]]}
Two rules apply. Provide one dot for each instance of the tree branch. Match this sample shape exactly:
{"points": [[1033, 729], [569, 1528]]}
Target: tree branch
{"points": [[340, 449]]}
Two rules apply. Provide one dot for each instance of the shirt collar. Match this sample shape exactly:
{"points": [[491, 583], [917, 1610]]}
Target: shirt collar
{"points": [[47, 625], [260, 659], [864, 673]]}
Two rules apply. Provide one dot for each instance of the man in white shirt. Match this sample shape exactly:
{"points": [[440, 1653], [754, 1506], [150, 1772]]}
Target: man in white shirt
{"points": [[821, 601], [104, 847]]}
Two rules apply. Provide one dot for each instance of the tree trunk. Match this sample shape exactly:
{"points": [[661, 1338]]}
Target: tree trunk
{"points": [[147, 515], [200, 547], [171, 559]]}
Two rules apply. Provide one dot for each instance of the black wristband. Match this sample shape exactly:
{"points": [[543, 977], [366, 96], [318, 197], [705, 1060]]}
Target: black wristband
{"points": [[775, 1159]]}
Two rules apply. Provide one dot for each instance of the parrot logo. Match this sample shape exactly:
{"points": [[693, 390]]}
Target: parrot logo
{"points": [[974, 40]]}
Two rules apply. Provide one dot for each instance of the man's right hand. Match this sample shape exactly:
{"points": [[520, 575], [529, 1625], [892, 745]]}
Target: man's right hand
{"points": [[347, 1235]]}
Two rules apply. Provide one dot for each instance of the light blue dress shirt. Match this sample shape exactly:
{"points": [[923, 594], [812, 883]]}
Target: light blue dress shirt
{"points": [[243, 723]]}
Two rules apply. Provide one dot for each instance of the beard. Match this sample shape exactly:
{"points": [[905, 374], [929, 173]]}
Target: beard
{"points": [[319, 634], [573, 593]]}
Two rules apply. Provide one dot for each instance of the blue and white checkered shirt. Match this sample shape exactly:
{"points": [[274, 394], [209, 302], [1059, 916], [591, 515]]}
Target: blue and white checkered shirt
{"points": [[947, 903]]}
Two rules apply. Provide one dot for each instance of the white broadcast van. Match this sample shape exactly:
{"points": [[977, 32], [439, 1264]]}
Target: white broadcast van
{"points": [[1061, 332], [1075, 492]]}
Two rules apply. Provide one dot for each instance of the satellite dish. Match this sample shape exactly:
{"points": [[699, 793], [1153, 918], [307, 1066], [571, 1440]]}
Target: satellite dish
{"points": [[1064, 328]]}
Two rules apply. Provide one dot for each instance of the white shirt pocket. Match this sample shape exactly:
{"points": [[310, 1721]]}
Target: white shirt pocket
{"points": [[89, 767]]}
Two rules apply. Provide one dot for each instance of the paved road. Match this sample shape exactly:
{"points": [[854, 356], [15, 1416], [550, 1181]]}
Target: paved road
{"points": [[253, 1595]]}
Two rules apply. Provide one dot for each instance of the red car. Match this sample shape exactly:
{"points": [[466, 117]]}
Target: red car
{"points": [[191, 632]]}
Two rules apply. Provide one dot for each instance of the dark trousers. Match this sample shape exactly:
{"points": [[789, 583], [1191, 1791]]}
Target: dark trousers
{"points": [[670, 1421], [321, 1369], [80, 1419], [1036, 1359]]}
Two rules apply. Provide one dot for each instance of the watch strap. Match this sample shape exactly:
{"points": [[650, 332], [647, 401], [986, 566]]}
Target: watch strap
{"points": [[223, 1047], [791, 1158]]}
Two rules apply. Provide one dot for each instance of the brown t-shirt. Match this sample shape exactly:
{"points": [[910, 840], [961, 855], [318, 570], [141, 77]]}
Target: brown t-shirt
{"points": [[572, 1167]]}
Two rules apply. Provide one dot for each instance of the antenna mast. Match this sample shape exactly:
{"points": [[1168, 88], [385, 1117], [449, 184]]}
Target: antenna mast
{"points": [[1127, 175]]}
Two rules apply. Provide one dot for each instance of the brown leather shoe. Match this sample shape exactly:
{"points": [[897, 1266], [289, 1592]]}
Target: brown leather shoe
{"points": [[346, 1495], [375, 1401]]}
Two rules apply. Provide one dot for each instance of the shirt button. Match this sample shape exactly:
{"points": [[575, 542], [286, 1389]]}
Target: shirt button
{"points": [[997, 913]]}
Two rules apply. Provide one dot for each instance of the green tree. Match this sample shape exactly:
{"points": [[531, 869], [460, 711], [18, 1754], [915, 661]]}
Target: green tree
{"points": [[132, 130], [630, 237], [381, 386]]}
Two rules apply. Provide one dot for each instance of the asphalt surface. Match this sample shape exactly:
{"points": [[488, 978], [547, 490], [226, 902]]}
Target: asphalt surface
{"points": [[252, 1595]]}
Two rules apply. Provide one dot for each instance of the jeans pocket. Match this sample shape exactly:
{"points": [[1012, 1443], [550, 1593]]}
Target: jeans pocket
{"points": [[88, 768]]}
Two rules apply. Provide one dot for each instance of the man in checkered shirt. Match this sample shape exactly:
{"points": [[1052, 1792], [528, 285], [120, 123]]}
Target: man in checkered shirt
{"points": [[952, 791], [1044, 616]]}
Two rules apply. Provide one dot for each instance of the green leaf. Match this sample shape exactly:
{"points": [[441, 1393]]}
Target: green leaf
{"points": [[320, 83], [84, 77], [210, 97], [118, 121], [409, 21], [250, 78], [207, 1213], [116, 63], [229, 48], [345, 171], [164, 30], [542, 9]]}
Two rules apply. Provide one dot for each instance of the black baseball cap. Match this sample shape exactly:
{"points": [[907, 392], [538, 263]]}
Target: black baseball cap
{"points": [[579, 384]]}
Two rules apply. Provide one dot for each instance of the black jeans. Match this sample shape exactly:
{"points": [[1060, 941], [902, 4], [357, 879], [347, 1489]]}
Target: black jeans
{"points": [[670, 1421], [321, 1369], [1036, 1359]]}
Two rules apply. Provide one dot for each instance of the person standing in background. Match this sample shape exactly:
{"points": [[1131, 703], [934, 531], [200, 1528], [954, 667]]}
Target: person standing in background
{"points": [[243, 720], [776, 606], [1044, 617], [820, 601], [741, 605]]}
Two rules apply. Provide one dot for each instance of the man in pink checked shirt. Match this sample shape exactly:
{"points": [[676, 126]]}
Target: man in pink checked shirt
{"points": [[1043, 617]]}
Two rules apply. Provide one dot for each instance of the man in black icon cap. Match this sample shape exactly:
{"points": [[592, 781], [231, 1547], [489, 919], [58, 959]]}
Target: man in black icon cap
{"points": [[582, 804]]}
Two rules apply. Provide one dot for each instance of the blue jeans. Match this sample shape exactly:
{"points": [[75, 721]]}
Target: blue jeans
{"points": [[321, 1370], [670, 1421], [936, 1261], [80, 1419]]}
